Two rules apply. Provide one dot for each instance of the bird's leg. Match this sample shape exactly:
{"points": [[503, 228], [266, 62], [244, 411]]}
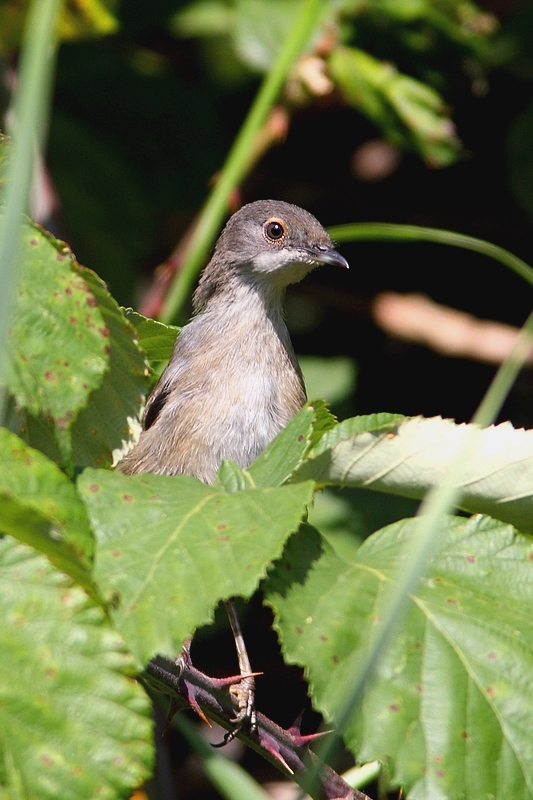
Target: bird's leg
{"points": [[244, 692]]}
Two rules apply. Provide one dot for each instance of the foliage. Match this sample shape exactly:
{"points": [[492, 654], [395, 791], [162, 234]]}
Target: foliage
{"points": [[168, 549], [101, 571]]}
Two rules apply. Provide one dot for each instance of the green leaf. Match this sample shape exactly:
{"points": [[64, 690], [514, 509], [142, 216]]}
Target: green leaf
{"points": [[73, 724], [449, 710], [410, 456], [40, 506], [57, 347], [286, 452], [111, 415], [170, 547], [411, 114], [113, 412], [156, 339]]}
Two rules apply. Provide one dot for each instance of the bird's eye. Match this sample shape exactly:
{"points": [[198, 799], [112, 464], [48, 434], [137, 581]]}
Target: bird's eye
{"points": [[275, 230]]}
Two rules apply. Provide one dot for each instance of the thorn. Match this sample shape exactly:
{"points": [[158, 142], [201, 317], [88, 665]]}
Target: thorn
{"points": [[272, 747], [296, 736], [222, 683], [191, 692]]}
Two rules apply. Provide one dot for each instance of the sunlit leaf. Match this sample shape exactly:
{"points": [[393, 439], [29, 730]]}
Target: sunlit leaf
{"points": [[73, 723], [450, 709], [40, 506], [408, 457], [170, 547], [58, 342]]}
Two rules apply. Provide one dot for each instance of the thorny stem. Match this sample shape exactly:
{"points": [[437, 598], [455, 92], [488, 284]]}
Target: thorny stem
{"points": [[286, 749]]}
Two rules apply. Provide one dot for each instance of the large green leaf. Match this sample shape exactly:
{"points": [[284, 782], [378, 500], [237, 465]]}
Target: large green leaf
{"points": [[39, 505], [450, 709], [58, 342], [111, 413], [170, 547], [409, 457], [73, 723]]}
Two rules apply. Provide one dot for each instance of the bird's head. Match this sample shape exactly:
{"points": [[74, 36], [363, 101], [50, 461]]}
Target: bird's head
{"points": [[267, 242]]}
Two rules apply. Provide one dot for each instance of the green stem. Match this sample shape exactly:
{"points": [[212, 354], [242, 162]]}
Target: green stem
{"points": [[238, 159], [31, 110], [383, 231]]}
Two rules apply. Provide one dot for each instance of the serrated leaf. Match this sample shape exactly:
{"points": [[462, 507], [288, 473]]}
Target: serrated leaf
{"points": [[286, 452], [57, 345], [170, 547], [411, 456], [40, 506], [450, 710], [156, 339], [411, 114], [112, 416], [73, 725], [112, 413]]}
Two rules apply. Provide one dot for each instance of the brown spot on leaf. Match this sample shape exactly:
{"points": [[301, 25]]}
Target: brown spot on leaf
{"points": [[323, 638], [440, 773], [92, 301], [104, 332], [128, 498], [221, 527], [50, 672], [470, 559], [60, 257], [49, 375], [394, 707], [491, 655], [490, 690], [73, 321], [116, 553], [464, 735], [452, 601], [34, 242], [335, 659], [46, 760], [68, 290], [300, 438], [299, 630]]}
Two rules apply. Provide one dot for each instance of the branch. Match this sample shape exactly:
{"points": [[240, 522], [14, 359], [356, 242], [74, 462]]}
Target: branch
{"points": [[286, 749]]}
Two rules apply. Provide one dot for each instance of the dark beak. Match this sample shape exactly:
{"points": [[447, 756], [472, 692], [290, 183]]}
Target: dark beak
{"points": [[327, 255]]}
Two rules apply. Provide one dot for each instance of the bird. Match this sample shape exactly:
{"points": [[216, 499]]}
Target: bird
{"points": [[233, 381]]}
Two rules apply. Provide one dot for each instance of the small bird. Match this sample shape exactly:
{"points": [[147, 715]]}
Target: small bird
{"points": [[233, 381]]}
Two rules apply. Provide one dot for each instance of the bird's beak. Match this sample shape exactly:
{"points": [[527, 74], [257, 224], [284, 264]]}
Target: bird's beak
{"points": [[327, 255]]}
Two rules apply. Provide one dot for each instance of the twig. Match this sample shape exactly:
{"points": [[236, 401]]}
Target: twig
{"points": [[286, 749]]}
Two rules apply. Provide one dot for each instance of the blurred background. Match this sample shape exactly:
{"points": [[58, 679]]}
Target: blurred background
{"points": [[404, 111]]}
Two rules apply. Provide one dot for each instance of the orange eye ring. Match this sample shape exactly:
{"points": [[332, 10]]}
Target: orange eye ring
{"points": [[275, 230]]}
